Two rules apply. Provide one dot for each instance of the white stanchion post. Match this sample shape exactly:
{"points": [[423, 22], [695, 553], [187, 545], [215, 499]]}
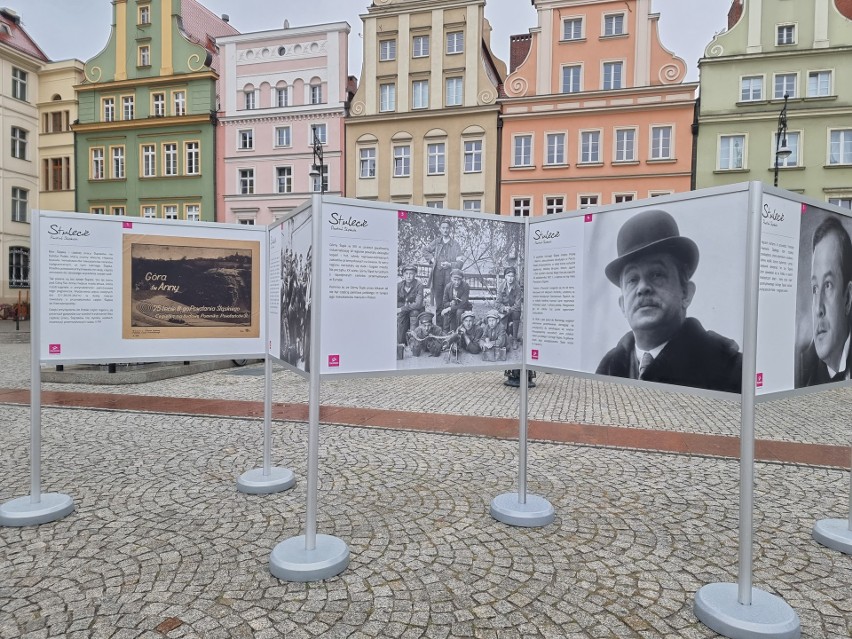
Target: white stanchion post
{"points": [[740, 611], [836, 533]]}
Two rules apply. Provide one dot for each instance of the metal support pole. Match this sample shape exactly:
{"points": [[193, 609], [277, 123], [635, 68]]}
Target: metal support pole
{"points": [[522, 439], [267, 416]]}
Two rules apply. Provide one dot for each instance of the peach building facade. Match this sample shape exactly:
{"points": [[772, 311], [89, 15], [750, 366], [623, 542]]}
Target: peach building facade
{"points": [[595, 110]]}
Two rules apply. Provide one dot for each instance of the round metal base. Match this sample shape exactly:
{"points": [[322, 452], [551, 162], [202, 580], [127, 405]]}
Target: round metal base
{"points": [[254, 482], [718, 608], [834, 533], [290, 561], [23, 512], [536, 512]]}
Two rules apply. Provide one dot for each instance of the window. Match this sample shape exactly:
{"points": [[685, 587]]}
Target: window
{"points": [[283, 136], [97, 210], [840, 147], [109, 109], [588, 200], [282, 97], [612, 72], [19, 84], [786, 34], [844, 202], [117, 153], [149, 160], [246, 179], [571, 78], [572, 29], [19, 143], [455, 42], [192, 158], [179, 98], [792, 144], [554, 205], [368, 163], [319, 183], [246, 221], [751, 88], [819, 84], [731, 152], [435, 204], [97, 169], [435, 154], [473, 156], [590, 147], [245, 138], [316, 94], [523, 150], [127, 107], [420, 94], [193, 212], [402, 161], [149, 211], [387, 50], [785, 84], [521, 206], [455, 90], [318, 132], [116, 210], [555, 148], [387, 97], [284, 179], [159, 105], [19, 267], [19, 204], [170, 155], [170, 211], [56, 121], [614, 24], [250, 100], [625, 145], [661, 142], [144, 56], [56, 173], [472, 205], [145, 14], [618, 198], [420, 46]]}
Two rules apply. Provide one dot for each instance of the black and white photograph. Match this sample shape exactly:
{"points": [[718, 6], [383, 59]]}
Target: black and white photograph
{"points": [[459, 292], [663, 290], [823, 298], [296, 268]]}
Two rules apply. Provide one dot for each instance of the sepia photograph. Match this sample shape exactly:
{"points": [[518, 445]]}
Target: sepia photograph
{"points": [[296, 256]]}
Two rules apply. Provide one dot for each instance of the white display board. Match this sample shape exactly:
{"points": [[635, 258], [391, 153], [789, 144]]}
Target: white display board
{"points": [[120, 289]]}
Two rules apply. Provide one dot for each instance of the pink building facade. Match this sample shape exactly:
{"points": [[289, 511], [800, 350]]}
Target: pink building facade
{"points": [[278, 89], [596, 111]]}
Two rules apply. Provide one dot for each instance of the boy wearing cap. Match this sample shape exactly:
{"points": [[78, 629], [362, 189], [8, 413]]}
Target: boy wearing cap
{"points": [[456, 301], [467, 335], [510, 300], [493, 335], [424, 338], [409, 302]]}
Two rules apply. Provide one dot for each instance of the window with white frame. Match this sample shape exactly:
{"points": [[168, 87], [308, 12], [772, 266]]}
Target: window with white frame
{"points": [[246, 221], [614, 24], [117, 162], [521, 206], [455, 91], [144, 55], [19, 267], [435, 158], [318, 132], [159, 105], [387, 50], [585, 201], [246, 181], [554, 204], [282, 96], [785, 84], [245, 139], [471, 205], [659, 193], [625, 145], [170, 158], [590, 147], [785, 34], [435, 204], [612, 75], [473, 156], [843, 202], [420, 94], [661, 142], [144, 14], [316, 93], [792, 140], [571, 78], [97, 168], [149, 211], [840, 147], [20, 198], [555, 148], [819, 84], [455, 42], [731, 152], [420, 46], [402, 160], [283, 136], [250, 99], [170, 211], [19, 143], [109, 109], [193, 212], [149, 160], [618, 198], [117, 210], [97, 210], [572, 28], [179, 102], [284, 179], [367, 162], [19, 84], [387, 97], [522, 155], [751, 88], [127, 107], [319, 183], [192, 158]]}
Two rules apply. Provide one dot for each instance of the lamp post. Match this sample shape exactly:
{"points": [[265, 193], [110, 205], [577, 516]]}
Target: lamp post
{"points": [[317, 169], [781, 148]]}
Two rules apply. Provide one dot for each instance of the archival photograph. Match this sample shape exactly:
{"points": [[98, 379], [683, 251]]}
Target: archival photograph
{"points": [[188, 288], [296, 291]]}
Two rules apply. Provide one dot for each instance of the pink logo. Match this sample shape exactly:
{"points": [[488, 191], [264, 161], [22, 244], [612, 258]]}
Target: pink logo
{"points": [[760, 380], [333, 361], [127, 225], [804, 208], [535, 353], [402, 215], [54, 349], [587, 217]]}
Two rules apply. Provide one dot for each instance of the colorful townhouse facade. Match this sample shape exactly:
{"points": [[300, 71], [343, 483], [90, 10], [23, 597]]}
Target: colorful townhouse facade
{"points": [[21, 59], [596, 110], [422, 128], [281, 91], [772, 49], [146, 136]]}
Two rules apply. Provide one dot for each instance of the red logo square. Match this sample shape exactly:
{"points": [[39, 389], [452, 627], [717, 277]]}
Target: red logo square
{"points": [[333, 361], [535, 353], [760, 380], [402, 215], [127, 225], [587, 217], [54, 349], [804, 208]]}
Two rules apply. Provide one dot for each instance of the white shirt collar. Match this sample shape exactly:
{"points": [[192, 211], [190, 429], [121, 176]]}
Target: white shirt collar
{"points": [[654, 351], [843, 358]]}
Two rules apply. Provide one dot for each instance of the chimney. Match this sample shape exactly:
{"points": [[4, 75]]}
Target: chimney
{"points": [[226, 17], [11, 15]]}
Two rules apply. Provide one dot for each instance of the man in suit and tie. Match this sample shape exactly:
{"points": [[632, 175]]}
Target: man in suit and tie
{"points": [[654, 270], [826, 359]]}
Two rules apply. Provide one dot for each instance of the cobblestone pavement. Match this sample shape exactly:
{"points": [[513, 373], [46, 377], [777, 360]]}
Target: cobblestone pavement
{"points": [[162, 540]]}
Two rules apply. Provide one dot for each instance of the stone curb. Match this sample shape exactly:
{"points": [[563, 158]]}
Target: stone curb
{"points": [[89, 374]]}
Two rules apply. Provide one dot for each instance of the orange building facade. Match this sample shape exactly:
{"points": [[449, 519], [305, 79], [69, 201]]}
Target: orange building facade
{"points": [[596, 111]]}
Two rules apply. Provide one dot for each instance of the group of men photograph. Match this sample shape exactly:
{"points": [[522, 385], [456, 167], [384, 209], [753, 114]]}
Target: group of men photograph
{"points": [[295, 308]]}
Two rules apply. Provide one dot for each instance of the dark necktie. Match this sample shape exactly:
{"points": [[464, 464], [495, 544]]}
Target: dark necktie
{"points": [[647, 359]]}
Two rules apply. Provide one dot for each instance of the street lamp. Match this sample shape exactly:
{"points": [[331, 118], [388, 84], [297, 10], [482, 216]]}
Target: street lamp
{"points": [[782, 151], [317, 168]]}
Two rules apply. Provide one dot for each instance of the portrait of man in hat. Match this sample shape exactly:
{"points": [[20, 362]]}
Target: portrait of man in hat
{"points": [[653, 269], [456, 300], [409, 302], [426, 338], [444, 254], [510, 300]]}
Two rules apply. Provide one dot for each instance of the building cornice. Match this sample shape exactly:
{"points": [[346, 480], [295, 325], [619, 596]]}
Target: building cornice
{"points": [[596, 96], [153, 81], [148, 123], [426, 114], [740, 57]]}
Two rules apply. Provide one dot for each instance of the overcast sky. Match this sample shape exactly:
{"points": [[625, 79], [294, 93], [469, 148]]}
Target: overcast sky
{"points": [[80, 28]]}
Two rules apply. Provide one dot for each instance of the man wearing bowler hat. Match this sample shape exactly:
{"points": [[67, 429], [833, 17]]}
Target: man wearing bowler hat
{"points": [[653, 269]]}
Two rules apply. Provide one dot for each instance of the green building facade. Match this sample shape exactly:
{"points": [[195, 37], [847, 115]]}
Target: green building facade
{"points": [[772, 48], [145, 138]]}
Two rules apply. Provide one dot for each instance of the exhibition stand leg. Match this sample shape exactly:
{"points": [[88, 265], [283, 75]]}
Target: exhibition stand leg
{"points": [[269, 479], [740, 611], [836, 533], [520, 508]]}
